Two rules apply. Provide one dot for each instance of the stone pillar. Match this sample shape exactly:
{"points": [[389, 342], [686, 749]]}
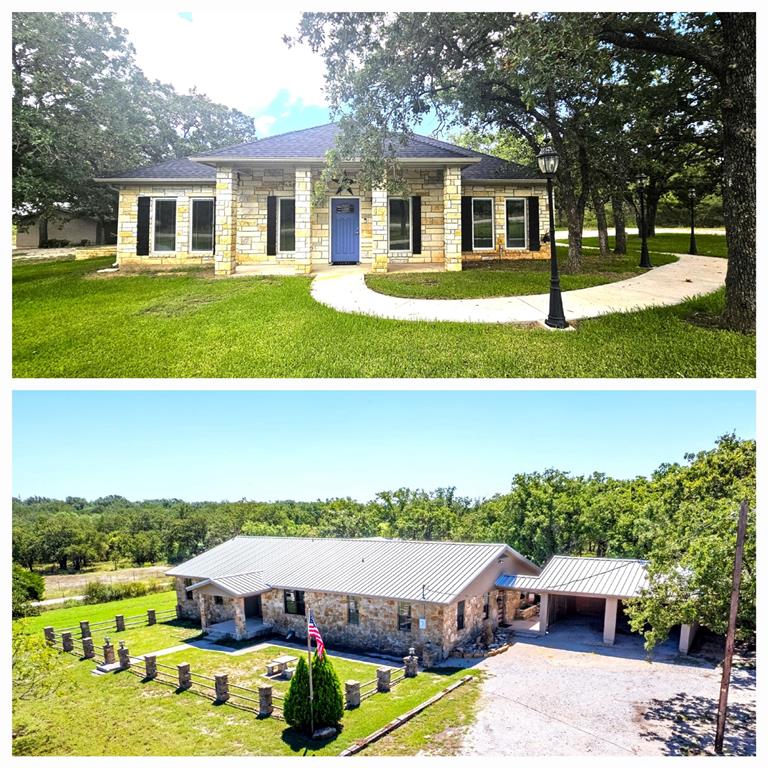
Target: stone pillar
{"points": [[203, 603], [379, 233], [88, 650], [85, 629], [411, 662], [303, 197], [109, 653], [179, 614], [609, 621], [120, 623], [50, 635], [687, 633], [222, 687], [544, 614], [352, 694], [240, 629], [127, 224], [265, 700], [67, 644], [185, 676], [151, 617], [124, 656], [150, 667], [226, 222], [383, 679], [452, 218]]}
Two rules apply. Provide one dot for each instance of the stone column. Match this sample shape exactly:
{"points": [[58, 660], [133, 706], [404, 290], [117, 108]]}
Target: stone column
{"points": [[85, 629], [109, 653], [179, 614], [88, 649], [226, 222], [151, 617], [265, 700], [609, 621], [687, 633], [120, 623], [50, 635], [411, 662], [150, 667], [67, 644], [203, 603], [352, 694], [452, 218], [185, 676], [379, 233], [544, 614], [303, 197], [127, 224], [222, 687], [383, 679], [240, 628], [124, 655]]}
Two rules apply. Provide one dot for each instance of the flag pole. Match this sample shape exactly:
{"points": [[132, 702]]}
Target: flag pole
{"points": [[309, 661]]}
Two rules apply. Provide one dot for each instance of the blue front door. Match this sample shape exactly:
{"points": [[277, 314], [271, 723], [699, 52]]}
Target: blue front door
{"points": [[345, 230]]}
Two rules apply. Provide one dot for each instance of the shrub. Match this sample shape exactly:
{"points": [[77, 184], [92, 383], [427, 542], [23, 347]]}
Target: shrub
{"points": [[328, 698], [26, 586], [104, 592], [296, 704]]}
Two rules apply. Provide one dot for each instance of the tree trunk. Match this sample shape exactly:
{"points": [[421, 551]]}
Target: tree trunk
{"points": [[620, 224], [42, 231], [63, 563], [739, 158], [602, 223]]}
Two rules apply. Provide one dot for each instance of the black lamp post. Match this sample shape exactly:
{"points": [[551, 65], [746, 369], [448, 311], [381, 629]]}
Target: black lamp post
{"points": [[692, 202], [645, 259], [548, 162]]}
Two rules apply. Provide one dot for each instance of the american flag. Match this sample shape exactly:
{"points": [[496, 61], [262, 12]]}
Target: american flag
{"points": [[314, 633]]}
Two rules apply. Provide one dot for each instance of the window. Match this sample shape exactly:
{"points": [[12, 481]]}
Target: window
{"points": [[404, 617], [460, 615], [294, 601], [486, 605], [165, 225], [286, 217], [482, 222], [353, 610], [202, 225], [515, 218], [399, 224], [218, 599], [187, 585]]}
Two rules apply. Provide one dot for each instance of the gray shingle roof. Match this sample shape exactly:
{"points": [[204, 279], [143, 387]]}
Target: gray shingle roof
{"points": [[401, 570], [182, 168], [595, 576]]}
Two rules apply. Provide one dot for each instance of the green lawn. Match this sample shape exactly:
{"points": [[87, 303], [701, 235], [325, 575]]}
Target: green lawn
{"points": [[120, 714], [68, 322], [669, 242], [505, 278]]}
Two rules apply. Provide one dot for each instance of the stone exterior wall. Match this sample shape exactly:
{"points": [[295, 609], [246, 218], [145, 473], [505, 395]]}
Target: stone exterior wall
{"points": [[127, 225], [187, 604], [473, 620]]}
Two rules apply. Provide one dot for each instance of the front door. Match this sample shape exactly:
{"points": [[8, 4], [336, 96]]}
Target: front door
{"points": [[253, 607], [345, 230]]}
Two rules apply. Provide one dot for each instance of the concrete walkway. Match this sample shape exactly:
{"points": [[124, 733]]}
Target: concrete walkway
{"points": [[663, 286]]}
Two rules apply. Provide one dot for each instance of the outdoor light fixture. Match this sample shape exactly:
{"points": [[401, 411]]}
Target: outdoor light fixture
{"points": [[692, 203], [645, 259], [548, 161]]}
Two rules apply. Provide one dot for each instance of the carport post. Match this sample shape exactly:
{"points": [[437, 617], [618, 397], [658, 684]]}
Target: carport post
{"points": [[544, 613], [609, 622]]}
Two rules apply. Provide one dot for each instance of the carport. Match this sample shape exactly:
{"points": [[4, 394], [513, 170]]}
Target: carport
{"points": [[587, 585]]}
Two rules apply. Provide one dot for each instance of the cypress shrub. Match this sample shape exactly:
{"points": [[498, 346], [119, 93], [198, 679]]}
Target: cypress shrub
{"points": [[296, 704], [328, 699]]}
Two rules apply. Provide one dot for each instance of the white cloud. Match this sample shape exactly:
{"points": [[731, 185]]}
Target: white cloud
{"points": [[263, 124], [236, 58]]}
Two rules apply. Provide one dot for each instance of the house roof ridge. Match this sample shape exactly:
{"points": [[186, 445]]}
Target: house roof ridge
{"points": [[211, 152], [373, 538]]}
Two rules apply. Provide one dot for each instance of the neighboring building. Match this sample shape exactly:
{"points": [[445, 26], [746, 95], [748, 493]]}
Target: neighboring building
{"points": [[380, 595], [83, 230], [252, 204]]}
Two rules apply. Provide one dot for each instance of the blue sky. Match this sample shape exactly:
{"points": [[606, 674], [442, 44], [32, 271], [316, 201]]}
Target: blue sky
{"points": [[265, 445]]}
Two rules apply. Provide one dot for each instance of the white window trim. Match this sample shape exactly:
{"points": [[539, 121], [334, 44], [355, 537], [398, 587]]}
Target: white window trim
{"points": [[525, 224], [492, 247], [192, 201], [409, 249], [280, 199], [152, 227]]}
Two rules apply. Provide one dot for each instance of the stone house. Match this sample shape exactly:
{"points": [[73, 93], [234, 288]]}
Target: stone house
{"points": [[255, 206], [380, 595]]}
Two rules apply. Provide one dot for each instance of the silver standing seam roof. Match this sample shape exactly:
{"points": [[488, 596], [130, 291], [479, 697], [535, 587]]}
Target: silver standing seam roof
{"points": [[435, 571], [593, 576]]}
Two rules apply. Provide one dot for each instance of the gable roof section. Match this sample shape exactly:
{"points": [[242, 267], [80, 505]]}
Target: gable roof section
{"points": [[594, 576], [182, 169], [435, 571]]}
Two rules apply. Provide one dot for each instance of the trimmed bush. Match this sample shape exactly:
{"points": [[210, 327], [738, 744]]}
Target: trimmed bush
{"points": [[328, 698], [296, 705]]}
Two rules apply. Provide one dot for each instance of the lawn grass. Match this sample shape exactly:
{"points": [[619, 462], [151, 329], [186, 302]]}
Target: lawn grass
{"points": [[668, 242], [70, 323], [523, 277]]}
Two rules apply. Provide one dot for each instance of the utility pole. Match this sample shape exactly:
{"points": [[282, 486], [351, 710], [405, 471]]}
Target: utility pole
{"points": [[722, 707]]}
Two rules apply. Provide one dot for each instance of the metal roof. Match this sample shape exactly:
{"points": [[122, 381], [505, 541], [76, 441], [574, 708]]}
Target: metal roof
{"points": [[596, 576], [435, 571]]}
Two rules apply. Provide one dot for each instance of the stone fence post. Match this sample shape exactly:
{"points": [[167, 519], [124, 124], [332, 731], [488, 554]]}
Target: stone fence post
{"points": [[88, 650], [185, 675], [120, 623], [151, 617], [221, 683], [411, 662], [352, 694], [150, 667], [50, 635], [109, 653], [124, 655], [85, 629], [67, 644], [265, 700], [383, 679]]}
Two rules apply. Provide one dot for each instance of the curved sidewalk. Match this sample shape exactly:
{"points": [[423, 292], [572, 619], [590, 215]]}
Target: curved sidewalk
{"points": [[663, 286]]}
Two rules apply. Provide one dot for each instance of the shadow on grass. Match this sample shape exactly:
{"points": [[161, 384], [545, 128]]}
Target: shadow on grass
{"points": [[298, 742]]}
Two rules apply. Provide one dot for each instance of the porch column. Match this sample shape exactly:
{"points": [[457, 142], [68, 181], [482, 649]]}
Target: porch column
{"points": [[303, 223], [203, 603], [609, 622], [379, 234], [687, 633], [240, 631], [226, 221], [544, 613], [452, 218]]}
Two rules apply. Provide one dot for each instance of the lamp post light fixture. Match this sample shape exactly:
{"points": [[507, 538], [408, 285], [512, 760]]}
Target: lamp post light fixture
{"points": [[548, 160], [692, 202], [645, 259]]}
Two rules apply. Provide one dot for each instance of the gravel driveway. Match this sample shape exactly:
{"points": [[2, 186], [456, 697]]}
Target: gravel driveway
{"points": [[568, 695]]}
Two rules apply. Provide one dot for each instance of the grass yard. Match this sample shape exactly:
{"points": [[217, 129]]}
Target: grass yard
{"points": [[68, 322], [524, 277], [668, 242]]}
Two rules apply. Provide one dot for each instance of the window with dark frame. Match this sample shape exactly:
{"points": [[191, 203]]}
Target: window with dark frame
{"points": [[187, 585], [404, 617], [399, 224], [353, 610], [202, 225], [460, 615], [486, 605], [482, 222], [286, 219], [515, 219], [218, 599], [165, 225], [294, 602]]}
